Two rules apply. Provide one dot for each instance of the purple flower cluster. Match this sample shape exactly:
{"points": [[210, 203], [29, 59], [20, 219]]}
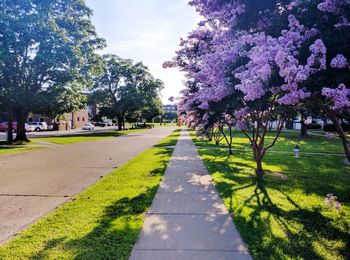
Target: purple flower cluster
{"points": [[338, 8], [339, 97], [329, 6], [339, 62], [225, 64], [331, 202]]}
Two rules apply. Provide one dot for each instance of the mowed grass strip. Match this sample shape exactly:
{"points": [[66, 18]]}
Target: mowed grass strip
{"points": [[284, 216], [12, 149], [104, 221], [72, 139], [286, 143]]}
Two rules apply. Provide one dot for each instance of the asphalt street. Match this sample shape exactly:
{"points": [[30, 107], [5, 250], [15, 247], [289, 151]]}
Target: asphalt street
{"points": [[36, 182]]}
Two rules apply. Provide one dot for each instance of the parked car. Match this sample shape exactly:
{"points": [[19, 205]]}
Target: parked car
{"points": [[4, 127], [39, 126], [88, 126], [29, 128], [104, 123]]}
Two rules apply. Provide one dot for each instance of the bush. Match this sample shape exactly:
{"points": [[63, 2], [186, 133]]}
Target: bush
{"points": [[314, 126], [332, 128]]}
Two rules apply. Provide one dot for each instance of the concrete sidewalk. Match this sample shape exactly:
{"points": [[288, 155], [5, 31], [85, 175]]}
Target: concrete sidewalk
{"points": [[188, 219]]}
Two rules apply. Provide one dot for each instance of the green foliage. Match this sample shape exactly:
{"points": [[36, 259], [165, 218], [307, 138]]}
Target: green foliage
{"points": [[47, 50], [126, 90]]}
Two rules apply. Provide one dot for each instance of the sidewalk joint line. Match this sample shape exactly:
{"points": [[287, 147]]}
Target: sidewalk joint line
{"points": [[34, 195]]}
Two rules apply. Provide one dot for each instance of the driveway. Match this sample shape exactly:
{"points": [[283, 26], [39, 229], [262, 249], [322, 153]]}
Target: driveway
{"points": [[34, 183]]}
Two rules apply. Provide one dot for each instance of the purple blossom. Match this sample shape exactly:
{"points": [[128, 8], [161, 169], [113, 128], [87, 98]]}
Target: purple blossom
{"points": [[339, 62], [339, 97], [318, 55], [331, 202], [204, 105], [328, 6]]}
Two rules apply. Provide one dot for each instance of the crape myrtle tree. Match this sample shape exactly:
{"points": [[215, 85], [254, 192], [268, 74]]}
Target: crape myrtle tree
{"points": [[44, 44], [126, 89], [328, 88], [248, 51]]}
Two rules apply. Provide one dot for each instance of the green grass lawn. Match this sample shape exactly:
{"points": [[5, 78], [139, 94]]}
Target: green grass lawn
{"points": [[72, 139], [284, 216], [5, 149], [286, 143], [104, 221]]}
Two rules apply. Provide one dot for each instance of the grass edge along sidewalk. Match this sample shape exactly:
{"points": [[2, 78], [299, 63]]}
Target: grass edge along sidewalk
{"points": [[103, 221], [284, 216]]}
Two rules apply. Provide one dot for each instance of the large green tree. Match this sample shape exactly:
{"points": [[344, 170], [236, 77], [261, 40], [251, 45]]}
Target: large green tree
{"points": [[44, 45], [126, 89]]}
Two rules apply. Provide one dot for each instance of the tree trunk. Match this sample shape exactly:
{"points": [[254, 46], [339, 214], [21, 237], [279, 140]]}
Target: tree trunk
{"points": [[120, 124], [258, 157], [340, 131], [259, 171], [9, 128], [21, 132], [230, 150], [303, 129]]}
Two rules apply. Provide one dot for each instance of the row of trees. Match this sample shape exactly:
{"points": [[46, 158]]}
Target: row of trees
{"points": [[252, 62], [48, 64]]}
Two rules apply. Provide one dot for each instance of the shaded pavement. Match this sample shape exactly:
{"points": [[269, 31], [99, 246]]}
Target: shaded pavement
{"points": [[188, 219], [36, 182]]}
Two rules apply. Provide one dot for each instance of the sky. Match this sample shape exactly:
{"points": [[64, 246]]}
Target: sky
{"points": [[147, 31]]}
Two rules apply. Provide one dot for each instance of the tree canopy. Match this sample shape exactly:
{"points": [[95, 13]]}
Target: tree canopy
{"points": [[126, 89], [250, 62], [46, 47]]}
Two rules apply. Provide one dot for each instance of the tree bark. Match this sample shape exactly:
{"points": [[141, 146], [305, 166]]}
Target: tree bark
{"points": [[259, 169], [9, 128], [340, 131], [120, 124], [303, 129], [21, 132]]}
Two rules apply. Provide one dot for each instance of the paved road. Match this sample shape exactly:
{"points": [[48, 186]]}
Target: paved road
{"points": [[187, 219], [34, 183]]}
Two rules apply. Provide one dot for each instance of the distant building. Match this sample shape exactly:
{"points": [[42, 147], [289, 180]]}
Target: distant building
{"points": [[170, 109], [170, 113]]}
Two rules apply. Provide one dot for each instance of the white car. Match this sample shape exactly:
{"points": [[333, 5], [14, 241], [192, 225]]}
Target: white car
{"points": [[88, 126], [39, 126], [29, 128]]}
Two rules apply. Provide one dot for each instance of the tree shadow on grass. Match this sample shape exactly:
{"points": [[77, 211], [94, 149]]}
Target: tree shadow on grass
{"points": [[313, 227], [276, 229], [113, 237], [116, 231]]}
